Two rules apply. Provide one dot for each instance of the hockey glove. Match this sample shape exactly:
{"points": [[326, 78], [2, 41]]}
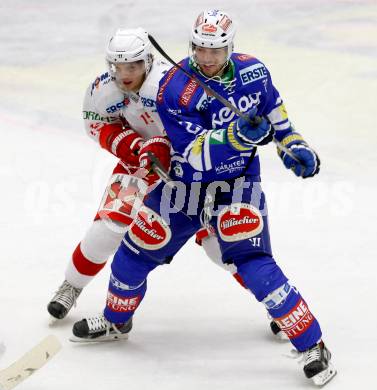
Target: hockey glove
{"points": [[160, 147], [245, 134], [122, 142], [309, 163]]}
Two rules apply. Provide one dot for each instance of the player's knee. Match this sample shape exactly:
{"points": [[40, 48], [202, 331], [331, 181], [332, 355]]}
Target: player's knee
{"points": [[129, 283], [130, 268], [102, 239], [262, 276], [211, 247], [276, 298]]}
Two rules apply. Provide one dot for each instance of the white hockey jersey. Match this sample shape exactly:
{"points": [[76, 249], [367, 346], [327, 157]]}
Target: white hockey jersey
{"points": [[105, 103]]}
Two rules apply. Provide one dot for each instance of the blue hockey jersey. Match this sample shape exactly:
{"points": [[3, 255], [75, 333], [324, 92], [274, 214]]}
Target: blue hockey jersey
{"points": [[197, 123]]}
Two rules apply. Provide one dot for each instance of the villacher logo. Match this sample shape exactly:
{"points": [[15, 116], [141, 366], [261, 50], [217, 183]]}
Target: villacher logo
{"points": [[149, 230], [239, 221]]}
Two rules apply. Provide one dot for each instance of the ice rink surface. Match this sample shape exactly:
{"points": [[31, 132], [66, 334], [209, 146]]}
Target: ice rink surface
{"points": [[196, 328]]}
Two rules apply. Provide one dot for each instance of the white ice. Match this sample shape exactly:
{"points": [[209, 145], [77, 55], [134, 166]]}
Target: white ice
{"points": [[196, 328]]}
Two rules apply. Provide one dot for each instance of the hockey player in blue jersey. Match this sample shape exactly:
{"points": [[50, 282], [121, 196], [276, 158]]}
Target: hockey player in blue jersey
{"points": [[216, 149]]}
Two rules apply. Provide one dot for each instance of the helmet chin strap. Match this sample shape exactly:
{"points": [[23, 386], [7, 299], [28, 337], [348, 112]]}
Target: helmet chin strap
{"points": [[220, 72], [215, 77]]}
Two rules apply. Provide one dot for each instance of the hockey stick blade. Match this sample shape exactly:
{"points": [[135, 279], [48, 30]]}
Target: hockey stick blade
{"points": [[32, 361], [225, 102]]}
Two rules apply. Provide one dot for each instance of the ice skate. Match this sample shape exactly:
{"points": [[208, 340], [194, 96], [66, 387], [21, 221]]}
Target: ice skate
{"points": [[317, 365], [277, 332], [97, 328], [63, 301]]}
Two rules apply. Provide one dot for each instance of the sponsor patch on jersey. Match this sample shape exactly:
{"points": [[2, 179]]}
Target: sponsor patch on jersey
{"points": [[148, 102], [149, 230], [117, 106], [218, 137], [188, 92], [239, 221], [174, 112], [244, 103], [244, 57], [253, 73], [231, 167], [297, 321], [122, 304], [97, 81], [161, 90], [94, 116]]}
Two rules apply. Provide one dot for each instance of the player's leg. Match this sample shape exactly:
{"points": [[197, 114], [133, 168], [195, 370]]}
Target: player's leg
{"points": [[127, 287], [149, 242], [208, 240], [289, 310], [122, 196], [242, 229]]}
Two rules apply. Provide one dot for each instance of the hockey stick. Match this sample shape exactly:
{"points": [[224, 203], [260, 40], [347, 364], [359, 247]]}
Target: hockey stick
{"points": [[159, 169], [32, 361], [165, 177], [225, 102]]}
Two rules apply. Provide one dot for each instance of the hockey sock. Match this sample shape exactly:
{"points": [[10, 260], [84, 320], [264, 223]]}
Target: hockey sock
{"points": [[292, 315]]}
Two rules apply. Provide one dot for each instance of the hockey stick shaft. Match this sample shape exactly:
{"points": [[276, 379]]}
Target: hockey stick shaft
{"points": [[208, 89], [164, 176], [216, 95]]}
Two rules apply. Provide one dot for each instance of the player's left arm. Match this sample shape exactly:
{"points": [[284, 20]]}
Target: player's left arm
{"points": [[286, 134]]}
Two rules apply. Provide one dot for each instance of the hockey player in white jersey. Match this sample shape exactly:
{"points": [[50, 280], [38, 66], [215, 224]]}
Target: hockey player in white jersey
{"points": [[120, 115]]}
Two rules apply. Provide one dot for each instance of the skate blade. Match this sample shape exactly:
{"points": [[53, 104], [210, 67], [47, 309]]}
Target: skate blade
{"points": [[325, 376], [100, 339]]}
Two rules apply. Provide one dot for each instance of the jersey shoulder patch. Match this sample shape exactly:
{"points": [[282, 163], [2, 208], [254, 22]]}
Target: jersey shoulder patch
{"points": [[177, 89], [107, 98], [249, 68]]}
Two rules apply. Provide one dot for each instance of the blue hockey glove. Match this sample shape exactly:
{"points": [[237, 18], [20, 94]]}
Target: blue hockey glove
{"points": [[244, 134], [309, 164]]}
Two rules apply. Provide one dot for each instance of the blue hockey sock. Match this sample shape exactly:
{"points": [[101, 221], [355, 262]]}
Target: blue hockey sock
{"points": [[292, 315]]}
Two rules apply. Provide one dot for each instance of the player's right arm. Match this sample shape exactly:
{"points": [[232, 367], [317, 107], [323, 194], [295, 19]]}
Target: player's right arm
{"points": [[103, 123]]}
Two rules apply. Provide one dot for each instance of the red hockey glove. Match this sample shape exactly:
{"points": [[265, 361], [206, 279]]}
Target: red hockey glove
{"points": [[160, 147], [122, 142]]}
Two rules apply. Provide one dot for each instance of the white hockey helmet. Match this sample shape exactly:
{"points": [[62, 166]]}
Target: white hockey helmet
{"points": [[129, 45], [213, 29]]}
